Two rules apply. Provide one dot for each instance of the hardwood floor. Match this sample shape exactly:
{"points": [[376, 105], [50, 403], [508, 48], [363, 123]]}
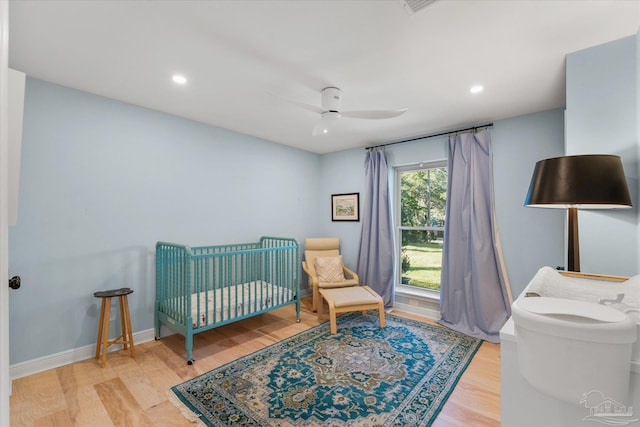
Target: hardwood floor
{"points": [[133, 392]]}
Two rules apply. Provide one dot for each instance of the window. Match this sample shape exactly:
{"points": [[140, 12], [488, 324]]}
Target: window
{"points": [[421, 195]]}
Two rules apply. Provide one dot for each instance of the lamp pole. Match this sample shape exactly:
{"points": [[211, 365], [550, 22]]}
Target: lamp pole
{"points": [[573, 248]]}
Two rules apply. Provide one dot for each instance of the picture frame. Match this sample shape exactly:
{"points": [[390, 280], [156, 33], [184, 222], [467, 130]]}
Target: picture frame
{"points": [[345, 207]]}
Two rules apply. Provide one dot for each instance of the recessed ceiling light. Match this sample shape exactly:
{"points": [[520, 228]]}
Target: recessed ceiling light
{"points": [[179, 79], [476, 89]]}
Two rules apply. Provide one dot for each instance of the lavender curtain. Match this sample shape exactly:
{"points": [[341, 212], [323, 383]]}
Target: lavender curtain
{"points": [[474, 296], [375, 259]]}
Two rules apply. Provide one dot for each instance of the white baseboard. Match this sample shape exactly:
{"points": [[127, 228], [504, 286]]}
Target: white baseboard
{"points": [[420, 311], [52, 361]]}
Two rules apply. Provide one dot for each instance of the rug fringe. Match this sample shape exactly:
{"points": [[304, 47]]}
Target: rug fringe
{"points": [[186, 412]]}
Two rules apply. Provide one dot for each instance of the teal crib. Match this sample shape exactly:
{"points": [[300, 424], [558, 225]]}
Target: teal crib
{"points": [[201, 288]]}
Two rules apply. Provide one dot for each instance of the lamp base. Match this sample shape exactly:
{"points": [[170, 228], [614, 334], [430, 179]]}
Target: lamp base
{"points": [[573, 247]]}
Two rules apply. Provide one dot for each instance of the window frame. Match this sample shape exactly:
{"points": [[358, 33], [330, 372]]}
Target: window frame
{"points": [[397, 206]]}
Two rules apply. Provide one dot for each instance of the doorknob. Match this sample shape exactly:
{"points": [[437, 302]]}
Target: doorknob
{"points": [[14, 282]]}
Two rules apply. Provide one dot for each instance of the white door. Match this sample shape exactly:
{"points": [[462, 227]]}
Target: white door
{"points": [[5, 381]]}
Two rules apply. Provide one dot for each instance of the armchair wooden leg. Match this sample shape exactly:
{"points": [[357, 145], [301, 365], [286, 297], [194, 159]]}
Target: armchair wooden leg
{"points": [[316, 297]]}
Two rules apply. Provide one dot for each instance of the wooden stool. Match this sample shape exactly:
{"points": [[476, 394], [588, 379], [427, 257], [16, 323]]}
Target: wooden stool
{"points": [[354, 298], [126, 339]]}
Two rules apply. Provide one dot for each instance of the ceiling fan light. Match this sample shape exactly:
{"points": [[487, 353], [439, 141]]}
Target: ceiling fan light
{"points": [[321, 128]]}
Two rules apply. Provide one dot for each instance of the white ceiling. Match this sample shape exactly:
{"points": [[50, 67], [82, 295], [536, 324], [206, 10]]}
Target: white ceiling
{"points": [[236, 54]]}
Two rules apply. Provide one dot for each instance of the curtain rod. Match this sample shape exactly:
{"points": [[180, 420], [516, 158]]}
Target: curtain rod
{"points": [[487, 125]]}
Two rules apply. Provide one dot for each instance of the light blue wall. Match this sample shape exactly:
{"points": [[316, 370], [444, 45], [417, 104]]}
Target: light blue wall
{"points": [[342, 172], [102, 181], [531, 238], [602, 118]]}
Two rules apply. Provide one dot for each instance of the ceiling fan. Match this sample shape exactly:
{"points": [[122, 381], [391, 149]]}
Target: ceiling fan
{"points": [[330, 111]]}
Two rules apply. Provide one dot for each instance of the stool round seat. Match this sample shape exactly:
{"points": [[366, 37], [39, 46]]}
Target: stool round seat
{"points": [[126, 338], [112, 293]]}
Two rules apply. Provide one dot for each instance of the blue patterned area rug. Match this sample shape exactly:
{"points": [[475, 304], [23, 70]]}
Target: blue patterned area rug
{"points": [[362, 376]]}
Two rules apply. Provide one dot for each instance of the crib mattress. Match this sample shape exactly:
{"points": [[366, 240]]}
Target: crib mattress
{"points": [[229, 303]]}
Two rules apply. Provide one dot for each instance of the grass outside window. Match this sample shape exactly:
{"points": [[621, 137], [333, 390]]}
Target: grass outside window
{"points": [[424, 265]]}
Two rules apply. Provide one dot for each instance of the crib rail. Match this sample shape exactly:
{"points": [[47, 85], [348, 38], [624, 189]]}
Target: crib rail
{"points": [[173, 271], [207, 286]]}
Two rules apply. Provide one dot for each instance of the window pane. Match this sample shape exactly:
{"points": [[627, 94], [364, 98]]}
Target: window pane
{"points": [[421, 258], [423, 196], [421, 217]]}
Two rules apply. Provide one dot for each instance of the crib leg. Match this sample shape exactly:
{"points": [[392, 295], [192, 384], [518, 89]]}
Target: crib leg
{"points": [[298, 309], [158, 326], [156, 322], [189, 342]]}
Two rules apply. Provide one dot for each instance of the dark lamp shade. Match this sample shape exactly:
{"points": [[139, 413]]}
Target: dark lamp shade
{"points": [[592, 181]]}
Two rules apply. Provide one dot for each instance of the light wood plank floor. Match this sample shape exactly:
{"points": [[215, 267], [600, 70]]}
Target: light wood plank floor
{"points": [[133, 392]]}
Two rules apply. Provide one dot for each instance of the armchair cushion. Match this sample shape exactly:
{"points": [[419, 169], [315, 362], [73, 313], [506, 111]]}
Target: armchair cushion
{"points": [[311, 256], [329, 269]]}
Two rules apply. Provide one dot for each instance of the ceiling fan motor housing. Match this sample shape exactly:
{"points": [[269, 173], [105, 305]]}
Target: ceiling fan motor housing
{"points": [[331, 99]]}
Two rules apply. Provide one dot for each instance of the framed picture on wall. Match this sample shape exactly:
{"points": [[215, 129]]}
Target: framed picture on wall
{"points": [[345, 207]]}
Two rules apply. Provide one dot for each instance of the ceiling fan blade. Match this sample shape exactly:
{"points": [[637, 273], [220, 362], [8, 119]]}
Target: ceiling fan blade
{"points": [[374, 114], [309, 107], [312, 108]]}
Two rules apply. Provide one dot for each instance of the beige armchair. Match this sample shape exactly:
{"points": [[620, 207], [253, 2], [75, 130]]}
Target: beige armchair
{"points": [[323, 263]]}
